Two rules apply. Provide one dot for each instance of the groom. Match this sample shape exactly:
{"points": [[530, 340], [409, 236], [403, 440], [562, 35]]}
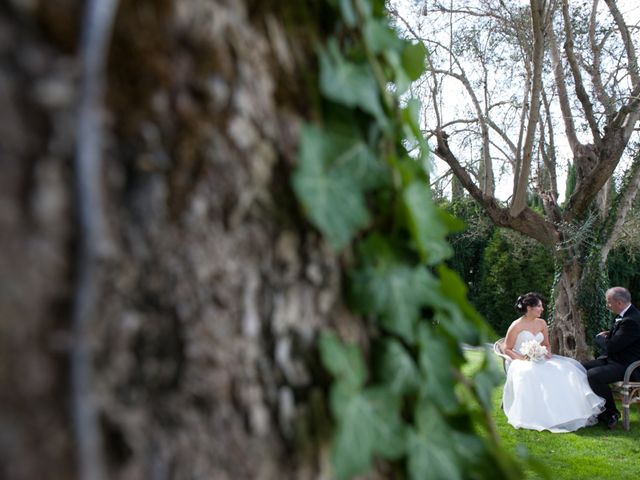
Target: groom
{"points": [[621, 346]]}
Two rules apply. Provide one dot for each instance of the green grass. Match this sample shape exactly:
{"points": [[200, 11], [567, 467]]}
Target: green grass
{"points": [[590, 453]]}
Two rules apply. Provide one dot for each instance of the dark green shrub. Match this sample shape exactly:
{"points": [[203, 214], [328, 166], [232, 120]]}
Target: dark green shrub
{"points": [[511, 265]]}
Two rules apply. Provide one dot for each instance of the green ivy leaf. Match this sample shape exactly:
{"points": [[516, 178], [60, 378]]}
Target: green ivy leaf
{"points": [[410, 115], [396, 369], [348, 13], [352, 447], [413, 57], [394, 294], [389, 431], [392, 290], [333, 199], [471, 452], [344, 362], [350, 84], [401, 79], [369, 425], [378, 7], [436, 361], [452, 223], [380, 38], [411, 170], [425, 225], [461, 311], [486, 379], [431, 453], [360, 163], [448, 313]]}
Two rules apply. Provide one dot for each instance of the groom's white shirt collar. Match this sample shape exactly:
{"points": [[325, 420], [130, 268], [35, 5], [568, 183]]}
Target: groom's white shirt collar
{"points": [[621, 314]]}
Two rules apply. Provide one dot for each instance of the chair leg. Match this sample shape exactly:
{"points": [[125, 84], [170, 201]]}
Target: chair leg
{"points": [[625, 415], [625, 410]]}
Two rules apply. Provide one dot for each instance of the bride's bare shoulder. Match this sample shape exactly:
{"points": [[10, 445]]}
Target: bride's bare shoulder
{"points": [[517, 322], [515, 326], [542, 322]]}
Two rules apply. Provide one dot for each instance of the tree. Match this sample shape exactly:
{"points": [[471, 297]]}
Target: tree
{"points": [[147, 195], [533, 78], [211, 287]]}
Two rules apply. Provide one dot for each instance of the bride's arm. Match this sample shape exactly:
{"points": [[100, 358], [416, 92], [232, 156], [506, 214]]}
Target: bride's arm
{"points": [[545, 340], [509, 341]]}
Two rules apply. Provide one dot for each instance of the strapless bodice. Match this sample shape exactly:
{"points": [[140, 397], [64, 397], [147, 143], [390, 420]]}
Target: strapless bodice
{"points": [[525, 336]]}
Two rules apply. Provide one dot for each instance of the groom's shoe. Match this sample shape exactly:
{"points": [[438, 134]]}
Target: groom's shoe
{"points": [[612, 420]]}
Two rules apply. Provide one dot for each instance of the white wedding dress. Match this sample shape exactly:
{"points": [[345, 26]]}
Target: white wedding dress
{"points": [[549, 394]]}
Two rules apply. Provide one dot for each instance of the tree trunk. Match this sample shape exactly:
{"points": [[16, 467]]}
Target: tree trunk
{"points": [[457, 190], [214, 290], [567, 331]]}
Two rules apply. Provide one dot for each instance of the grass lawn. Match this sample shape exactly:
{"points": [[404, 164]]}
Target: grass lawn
{"points": [[589, 453]]}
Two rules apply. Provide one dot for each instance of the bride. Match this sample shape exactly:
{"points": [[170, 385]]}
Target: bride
{"points": [[546, 393]]}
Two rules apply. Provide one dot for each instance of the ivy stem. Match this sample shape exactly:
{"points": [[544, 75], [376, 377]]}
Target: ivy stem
{"points": [[387, 98], [373, 61]]}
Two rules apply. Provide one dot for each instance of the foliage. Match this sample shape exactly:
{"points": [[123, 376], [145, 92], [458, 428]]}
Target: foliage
{"points": [[512, 265], [623, 267], [595, 279], [360, 187], [623, 263], [591, 289], [470, 244], [628, 235], [497, 265]]}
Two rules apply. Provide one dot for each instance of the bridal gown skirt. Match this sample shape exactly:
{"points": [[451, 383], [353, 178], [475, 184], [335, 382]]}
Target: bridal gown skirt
{"points": [[550, 395]]}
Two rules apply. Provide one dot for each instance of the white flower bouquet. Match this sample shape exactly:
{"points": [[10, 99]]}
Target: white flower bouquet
{"points": [[532, 350]]}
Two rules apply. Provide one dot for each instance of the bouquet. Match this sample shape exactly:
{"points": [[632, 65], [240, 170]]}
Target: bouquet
{"points": [[532, 350]]}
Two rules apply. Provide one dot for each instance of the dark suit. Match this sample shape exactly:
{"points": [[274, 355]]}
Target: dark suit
{"points": [[622, 345]]}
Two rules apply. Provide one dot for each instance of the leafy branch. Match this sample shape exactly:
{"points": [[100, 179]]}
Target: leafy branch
{"points": [[360, 186]]}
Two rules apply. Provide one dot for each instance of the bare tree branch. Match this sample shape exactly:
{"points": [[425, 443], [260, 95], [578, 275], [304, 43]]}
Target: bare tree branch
{"points": [[487, 180], [594, 70], [527, 221], [628, 43], [581, 93], [563, 95], [627, 196], [549, 155], [521, 181]]}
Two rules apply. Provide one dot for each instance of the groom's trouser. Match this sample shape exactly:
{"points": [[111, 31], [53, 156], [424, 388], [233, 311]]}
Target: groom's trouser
{"points": [[600, 373]]}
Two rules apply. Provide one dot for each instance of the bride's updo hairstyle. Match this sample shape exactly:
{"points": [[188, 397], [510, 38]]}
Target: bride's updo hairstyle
{"points": [[530, 299]]}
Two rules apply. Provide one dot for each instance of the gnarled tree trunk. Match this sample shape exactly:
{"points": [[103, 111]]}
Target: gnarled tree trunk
{"points": [[214, 289], [567, 334]]}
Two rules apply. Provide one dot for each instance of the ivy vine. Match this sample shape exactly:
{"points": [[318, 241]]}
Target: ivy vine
{"points": [[594, 281], [362, 180]]}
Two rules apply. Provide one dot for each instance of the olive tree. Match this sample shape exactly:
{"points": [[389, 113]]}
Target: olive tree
{"points": [[519, 90]]}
